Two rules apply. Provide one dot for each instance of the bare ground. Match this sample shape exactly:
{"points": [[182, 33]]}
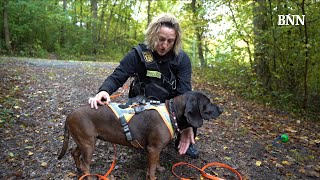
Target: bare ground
{"points": [[37, 95]]}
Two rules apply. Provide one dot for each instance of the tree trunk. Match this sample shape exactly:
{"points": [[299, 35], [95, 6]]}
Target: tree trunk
{"points": [[81, 13], [198, 34], [63, 27], [101, 23], [148, 12], [6, 26], [74, 17], [243, 37], [94, 10], [261, 65], [116, 29], [108, 24], [306, 63], [203, 62], [274, 67]]}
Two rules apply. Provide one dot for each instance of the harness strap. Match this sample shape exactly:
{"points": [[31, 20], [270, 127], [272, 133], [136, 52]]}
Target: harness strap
{"points": [[126, 129], [152, 65], [138, 109], [128, 134], [124, 118]]}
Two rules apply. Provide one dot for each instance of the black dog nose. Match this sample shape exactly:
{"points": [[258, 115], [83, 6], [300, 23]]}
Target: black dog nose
{"points": [[220, 110]]}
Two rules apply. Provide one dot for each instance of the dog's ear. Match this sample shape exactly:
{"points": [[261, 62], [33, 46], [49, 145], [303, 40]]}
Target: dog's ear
{"points": [[208, 110], [192, 112]]}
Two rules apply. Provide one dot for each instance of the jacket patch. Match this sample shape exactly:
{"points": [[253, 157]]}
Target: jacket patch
{"points": [[155, 74], [147, 56]]}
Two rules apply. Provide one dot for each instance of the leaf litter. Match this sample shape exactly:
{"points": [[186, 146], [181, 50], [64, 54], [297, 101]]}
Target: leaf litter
{"points": [[38, 94]]}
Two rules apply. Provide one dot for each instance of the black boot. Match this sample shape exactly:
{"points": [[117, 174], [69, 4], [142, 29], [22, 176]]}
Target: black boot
{"points": [[193, 151]]}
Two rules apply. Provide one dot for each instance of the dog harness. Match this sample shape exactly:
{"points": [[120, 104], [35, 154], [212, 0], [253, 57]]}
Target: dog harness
{"points": [[125, 115]]}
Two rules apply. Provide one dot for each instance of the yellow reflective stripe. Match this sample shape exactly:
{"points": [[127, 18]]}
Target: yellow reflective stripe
{"points": [[162, 110], [128, 117], [113, 107]]}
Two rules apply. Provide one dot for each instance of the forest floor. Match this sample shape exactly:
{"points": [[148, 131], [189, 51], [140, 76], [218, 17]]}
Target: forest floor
{"points": [[37, 95]]}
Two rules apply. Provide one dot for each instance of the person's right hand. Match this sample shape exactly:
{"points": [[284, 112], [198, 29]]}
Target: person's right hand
{"points": [[187, 137], [101, 98]]}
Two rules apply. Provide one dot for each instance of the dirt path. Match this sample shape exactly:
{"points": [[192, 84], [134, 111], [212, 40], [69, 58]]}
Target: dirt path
{"points": [[36, 96]]}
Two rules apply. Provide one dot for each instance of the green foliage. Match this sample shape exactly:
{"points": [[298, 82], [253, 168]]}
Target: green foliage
{"points": [[279, 79], [33, 26], [8, 106], [273, 63], [6, 116]]}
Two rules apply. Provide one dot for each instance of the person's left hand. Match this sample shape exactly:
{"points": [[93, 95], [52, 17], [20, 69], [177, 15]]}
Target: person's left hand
{"points": [[186, 138]]}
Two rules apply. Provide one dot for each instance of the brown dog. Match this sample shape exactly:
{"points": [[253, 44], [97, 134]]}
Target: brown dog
{"points": [[86, 125]]}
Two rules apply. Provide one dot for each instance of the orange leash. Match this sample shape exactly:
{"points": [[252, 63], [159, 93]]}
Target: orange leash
{"points": [[104, 177], [203, 173], [124, 88]]}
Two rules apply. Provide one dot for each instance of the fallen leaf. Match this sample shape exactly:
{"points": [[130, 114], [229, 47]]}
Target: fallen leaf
{"points": [[71, 174], [289, 129], [61, 137], [28, 147], [44, 164], [304, 137], [30, 153], [258, 163], [317, 141], [302, 170], [285, 162]]}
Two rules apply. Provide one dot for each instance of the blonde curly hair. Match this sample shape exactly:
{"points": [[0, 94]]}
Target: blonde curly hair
{"points": [[167, 20]]}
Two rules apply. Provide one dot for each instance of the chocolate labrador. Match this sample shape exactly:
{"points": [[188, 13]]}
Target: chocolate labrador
{"points": [[86, 125]]}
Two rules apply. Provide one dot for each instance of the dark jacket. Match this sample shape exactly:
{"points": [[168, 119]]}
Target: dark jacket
{"points": [[132, 65]]}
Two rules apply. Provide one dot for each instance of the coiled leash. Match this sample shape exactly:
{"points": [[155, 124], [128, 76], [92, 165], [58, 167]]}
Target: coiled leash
{"points": [[104, 177], [202, 170], [203, 173]]}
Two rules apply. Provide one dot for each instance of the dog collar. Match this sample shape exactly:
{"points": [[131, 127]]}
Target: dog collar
{"points": [[173, 117]]}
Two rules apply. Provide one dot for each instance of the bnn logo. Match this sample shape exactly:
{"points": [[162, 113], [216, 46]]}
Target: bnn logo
{"points": [[290, 20]]}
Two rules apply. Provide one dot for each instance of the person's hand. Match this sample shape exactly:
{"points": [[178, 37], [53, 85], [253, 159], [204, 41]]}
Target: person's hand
{"points": [[101, 98], [186, 138]]}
